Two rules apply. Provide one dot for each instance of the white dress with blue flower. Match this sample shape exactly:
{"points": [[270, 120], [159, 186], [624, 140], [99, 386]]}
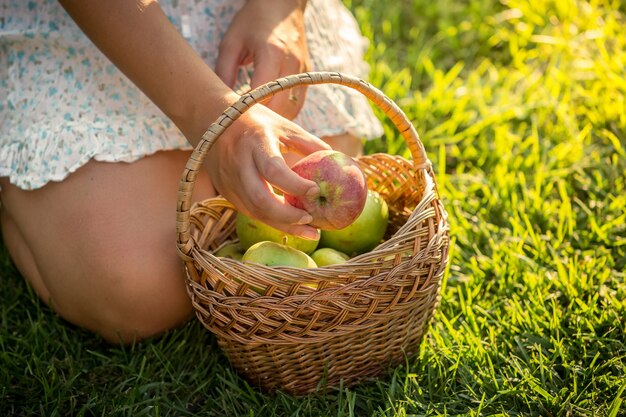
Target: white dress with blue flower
{"points": [[63, 103]]}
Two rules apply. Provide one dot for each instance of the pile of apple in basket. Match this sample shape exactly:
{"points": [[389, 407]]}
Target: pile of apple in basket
{"points": [[286, 315], [352, 219]]}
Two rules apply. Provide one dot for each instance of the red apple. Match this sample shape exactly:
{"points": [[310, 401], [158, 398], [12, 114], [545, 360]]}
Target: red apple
{"points": [[343, 189]]}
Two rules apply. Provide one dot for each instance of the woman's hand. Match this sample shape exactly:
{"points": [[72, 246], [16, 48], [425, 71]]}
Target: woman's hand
{"points": [[271, 36], [245, 162], [141, 41]]}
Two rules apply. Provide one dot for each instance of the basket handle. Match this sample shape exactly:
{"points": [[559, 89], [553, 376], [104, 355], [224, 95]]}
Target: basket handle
{"points": [[261, 93]]}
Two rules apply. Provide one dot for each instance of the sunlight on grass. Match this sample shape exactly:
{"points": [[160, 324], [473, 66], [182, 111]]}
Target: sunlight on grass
{"points": [[532, 133]]}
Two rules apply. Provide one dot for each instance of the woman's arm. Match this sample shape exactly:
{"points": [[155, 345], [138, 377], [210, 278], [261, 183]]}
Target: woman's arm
{"points": [[140, 40]]}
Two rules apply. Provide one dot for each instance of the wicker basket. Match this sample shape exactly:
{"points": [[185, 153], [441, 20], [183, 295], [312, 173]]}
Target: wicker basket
{"points": [[365, 316]]}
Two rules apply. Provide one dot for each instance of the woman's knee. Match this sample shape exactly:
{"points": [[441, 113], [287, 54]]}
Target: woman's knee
{"points": [[109, 261], [123, 301], [21, 255], [146, 297]]}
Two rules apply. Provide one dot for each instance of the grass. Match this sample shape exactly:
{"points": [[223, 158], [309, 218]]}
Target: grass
{"points": [[522, 108]]}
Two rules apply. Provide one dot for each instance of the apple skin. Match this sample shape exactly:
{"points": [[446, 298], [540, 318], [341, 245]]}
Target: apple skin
{"points": [[251, 231], [232, 251], [365, 233], [328, 256], [276, 254], [343, 189]]}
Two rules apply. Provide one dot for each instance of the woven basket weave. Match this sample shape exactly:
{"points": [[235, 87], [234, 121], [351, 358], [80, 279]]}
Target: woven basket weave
{"points": [[364, 316]]}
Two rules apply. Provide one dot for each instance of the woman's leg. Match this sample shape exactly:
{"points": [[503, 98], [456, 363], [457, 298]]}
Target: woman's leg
{"points": [[100, 247], [346, 143]]}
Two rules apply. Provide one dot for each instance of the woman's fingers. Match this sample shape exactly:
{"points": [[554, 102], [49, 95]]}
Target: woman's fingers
{"points": [[247, 166], [263, 204], [301, 142], [229, 59], [273, 168], [289, 103], [266, 66]]}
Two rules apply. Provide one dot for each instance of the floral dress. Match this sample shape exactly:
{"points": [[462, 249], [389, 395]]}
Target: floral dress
{"points": [[63, 103]]}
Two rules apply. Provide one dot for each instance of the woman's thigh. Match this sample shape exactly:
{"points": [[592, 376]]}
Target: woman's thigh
{"points": [[100, 245]]}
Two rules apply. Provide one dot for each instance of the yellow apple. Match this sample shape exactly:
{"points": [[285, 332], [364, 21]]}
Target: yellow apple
{"points": [[251, 231], [276, 254], [232, 251], [328, 256]]}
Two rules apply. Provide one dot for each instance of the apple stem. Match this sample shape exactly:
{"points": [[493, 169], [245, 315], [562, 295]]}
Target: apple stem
{"points": [[285, 240]]}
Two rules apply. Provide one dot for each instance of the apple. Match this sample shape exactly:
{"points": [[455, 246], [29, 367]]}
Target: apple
{"points": [[251, 231], [343, 189], [276, 254], [328, 256], [365, 233], [232, 250]]}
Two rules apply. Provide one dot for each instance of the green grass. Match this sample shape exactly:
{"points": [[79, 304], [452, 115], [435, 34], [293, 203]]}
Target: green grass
{"points": [[522, 108]]}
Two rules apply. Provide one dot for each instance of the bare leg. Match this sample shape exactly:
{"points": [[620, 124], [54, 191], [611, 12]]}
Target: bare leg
{"points": [[21, 255], [99, 247], [346, 143]]}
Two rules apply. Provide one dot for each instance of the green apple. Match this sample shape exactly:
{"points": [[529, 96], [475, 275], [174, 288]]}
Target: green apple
{"points": [[232, 250], [276, 254], [328, 256], [251, 231], [365, 233]]}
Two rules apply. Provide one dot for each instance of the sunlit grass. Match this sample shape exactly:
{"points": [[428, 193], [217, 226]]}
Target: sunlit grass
{"points": [[529, 144], [522, 108]]}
